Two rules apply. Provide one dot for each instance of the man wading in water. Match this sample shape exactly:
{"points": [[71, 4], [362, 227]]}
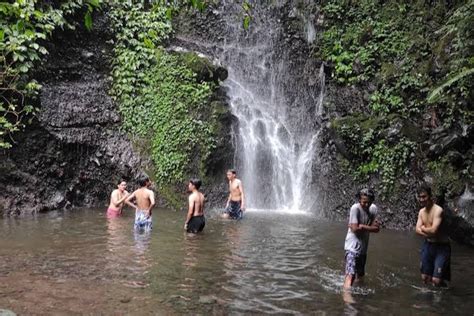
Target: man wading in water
{"points": [[195, 220], [362, 222], [236, 201], [436, 250], [145, 200]]}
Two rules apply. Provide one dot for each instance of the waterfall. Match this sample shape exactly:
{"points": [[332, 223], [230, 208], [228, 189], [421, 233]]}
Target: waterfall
{"points": [[276, 135]]}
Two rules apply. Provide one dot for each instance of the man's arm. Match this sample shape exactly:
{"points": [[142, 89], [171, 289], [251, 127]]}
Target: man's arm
{"points": [[374, 227], [433, 230], [230, 196], [129, 198], [354, 220], [114, 199], [152, 201], [118, 202], [419, 224], [190, 211], [242, 195]]}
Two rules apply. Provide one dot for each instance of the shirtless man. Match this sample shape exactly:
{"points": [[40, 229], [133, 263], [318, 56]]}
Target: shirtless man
{"points": [[117, 199], [145, 200], [436, 250], [195, 220], [236, 202]]}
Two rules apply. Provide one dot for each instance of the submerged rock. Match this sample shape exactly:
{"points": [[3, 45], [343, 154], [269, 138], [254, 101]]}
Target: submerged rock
{"points": [[6, 312]]}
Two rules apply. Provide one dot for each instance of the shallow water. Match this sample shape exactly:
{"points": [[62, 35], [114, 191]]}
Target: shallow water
{"points": [[269, 262]]}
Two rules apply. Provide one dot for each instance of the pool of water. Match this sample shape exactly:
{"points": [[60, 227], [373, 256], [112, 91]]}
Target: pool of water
{"points": [[270, 262]]}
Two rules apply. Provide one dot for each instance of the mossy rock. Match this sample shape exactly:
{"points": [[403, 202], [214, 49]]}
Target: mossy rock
{"points": [[364, 122], [205, 70], [447, 180], [220, 108], [172, 196], [408, 129], [388, 70]]}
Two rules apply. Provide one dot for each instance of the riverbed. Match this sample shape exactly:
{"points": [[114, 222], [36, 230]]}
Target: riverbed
{"points": [[80, 262]]}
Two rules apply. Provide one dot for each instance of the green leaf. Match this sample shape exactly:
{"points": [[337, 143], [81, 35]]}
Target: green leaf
{"points": [[88, 20], [95, 3], [435, 94], [246, 22], [169, 13]]}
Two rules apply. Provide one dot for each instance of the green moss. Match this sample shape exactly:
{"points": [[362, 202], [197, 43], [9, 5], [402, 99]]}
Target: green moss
{"points": [[361, 122], [160, 96], [172, 197], [446, 178], [405, 49], [199, 65]]}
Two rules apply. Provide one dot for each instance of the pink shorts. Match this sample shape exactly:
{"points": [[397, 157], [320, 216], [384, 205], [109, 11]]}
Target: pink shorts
{"points": [[111, 213]]}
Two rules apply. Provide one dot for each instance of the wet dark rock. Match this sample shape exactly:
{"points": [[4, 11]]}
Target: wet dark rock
{"points": [[435, 150], [75, 149], [440, 143], [126, 300], [455, 158]]}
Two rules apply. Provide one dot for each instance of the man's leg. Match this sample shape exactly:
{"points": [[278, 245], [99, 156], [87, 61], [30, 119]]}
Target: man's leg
{"points": [[426, 263], [442, 265], [350, 270], [427, 279], [348, 281], [360, 261]]}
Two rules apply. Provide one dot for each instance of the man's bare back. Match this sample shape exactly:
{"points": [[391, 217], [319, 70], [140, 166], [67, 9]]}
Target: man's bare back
{"points": [[144, 199], [196, 199]]}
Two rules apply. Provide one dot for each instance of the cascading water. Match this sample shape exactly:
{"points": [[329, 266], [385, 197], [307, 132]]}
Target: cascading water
{"points": [[276, 135]]}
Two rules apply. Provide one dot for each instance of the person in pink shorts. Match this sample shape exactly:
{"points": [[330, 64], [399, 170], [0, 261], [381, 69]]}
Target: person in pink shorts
{"points": [[117, 199]]}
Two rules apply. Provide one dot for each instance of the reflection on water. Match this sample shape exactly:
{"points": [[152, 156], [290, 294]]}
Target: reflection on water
{"points": [[269, 262]]}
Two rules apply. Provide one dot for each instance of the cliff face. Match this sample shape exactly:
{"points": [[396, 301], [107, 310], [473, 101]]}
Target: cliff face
{"points": [[74, 153]]}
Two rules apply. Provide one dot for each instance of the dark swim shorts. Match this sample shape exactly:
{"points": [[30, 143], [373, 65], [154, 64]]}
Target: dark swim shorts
{"points": [[234, 210], [436, 260], [355, 263], [196, 224]]}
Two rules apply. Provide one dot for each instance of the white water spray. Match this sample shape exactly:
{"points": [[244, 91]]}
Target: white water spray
{"points": [[275, 139]]}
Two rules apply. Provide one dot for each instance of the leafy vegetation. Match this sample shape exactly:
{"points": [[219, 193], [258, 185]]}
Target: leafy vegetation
{"points": [[371, 153], [24, 27], [418, 54], [159, 96]]}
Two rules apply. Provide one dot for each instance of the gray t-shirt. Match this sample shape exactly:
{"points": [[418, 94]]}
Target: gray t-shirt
{"points": [[358, 243]]}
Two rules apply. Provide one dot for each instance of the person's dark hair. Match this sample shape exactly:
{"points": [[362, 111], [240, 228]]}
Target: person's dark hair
{"points": [[424, 188], [121, 180], [366, 192], [196, 182], [232, 170], [143, 181]]}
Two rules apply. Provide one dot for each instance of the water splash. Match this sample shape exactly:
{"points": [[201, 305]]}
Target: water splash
{"points": [[310, 31], [466, 206]]}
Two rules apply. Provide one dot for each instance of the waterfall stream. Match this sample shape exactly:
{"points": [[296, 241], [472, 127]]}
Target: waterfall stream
{"points": [[275, 138]]}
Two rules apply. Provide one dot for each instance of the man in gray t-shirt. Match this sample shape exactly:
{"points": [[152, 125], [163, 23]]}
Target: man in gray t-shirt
{"points": [[362, 222]]}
